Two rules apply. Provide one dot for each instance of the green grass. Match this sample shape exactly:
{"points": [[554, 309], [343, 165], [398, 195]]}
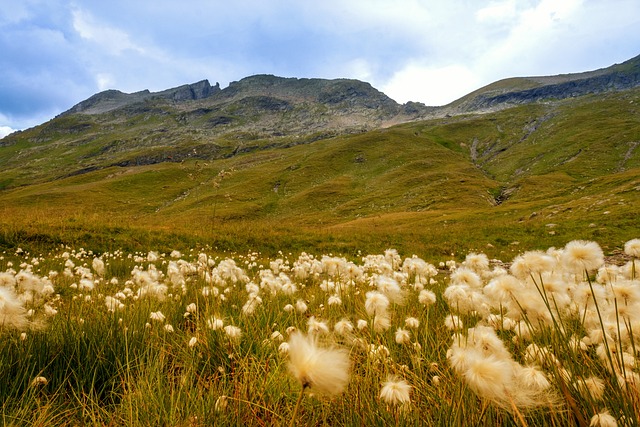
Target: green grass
{"points": [[465, 182], [124, 368]]}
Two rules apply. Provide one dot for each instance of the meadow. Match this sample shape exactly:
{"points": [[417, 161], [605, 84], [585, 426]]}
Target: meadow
{"points": [[214, 337], [437, 272]]}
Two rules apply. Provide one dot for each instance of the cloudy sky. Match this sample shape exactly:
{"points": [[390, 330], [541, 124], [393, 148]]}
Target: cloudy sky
{"points": [[55, 53]]}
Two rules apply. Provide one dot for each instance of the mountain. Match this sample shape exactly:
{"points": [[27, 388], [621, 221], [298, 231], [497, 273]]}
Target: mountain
{"points": [[200, 121], [113, 99], [525, 90], [265, 92], [273, 163]]}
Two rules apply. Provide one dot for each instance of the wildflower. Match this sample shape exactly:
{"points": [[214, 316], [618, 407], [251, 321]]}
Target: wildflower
{"points": [[290, 330], [221, 403], [592, 386], [157, 316], [233, 332], [488, 376], [12, 312], [631, 270], [98, 266], [476, 262], [316, 326], [334, 300], [579, 255], [86, 284], [301, 306], [168, 328], [381, 323], [426, 297], [402, 336], [192, 308], [626, 291], [49, 310], [390, 288], [500, 322], [453, 322], [607, 274], [532, 263], [39, 381], [23, 336], [323, 370], [283, 348], [603, 419], [492, 374], [252, 303], [411, 322], [343, 327], [113, 304], [192, 342], [632, 248], [376, 303], [395, 391], [215, 323], [466, 276], [7, 280], [361, 324], [533, 377]]}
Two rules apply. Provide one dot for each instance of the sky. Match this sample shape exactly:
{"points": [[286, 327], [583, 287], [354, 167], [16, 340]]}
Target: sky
{"points": [[56, 53]]}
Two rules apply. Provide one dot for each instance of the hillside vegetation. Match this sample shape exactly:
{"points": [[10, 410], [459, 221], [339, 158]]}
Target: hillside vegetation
{"points": [[284, 171]]}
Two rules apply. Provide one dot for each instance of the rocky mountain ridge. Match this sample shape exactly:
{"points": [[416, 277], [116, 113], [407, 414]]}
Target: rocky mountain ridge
{"points": [[526, 90], [201, 121], [354, 96], [344, 94], [112, 99]]}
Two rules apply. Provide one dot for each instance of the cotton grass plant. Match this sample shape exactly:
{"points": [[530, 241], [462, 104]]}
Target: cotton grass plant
{"points": [[197, 338]]}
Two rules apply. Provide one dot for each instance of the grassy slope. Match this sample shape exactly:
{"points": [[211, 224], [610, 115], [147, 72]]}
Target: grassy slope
{"points": [[425, 187]]}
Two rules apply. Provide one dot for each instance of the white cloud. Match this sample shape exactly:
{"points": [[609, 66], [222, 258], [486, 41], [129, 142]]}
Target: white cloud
{"points": [[535, 38], [5, 130], [497, 12], [105, 81], [433, 85], [13, 12], [114, 40], [432, 51]]}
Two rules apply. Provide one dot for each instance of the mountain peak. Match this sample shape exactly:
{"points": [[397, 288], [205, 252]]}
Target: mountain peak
{"points": [[112, 99], [524, 90], [342, 95]]}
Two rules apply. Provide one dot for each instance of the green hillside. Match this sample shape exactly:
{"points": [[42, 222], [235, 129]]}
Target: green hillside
{"points": [[534, 175]]}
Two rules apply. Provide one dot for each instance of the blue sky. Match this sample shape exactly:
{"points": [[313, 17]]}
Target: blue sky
{"points": [[56, 53]]}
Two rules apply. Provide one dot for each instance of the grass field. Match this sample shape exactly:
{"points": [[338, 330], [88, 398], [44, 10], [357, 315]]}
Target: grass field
{"points": [[204, 338]]}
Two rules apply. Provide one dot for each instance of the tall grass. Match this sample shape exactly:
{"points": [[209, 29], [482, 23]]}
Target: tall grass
{"points": [[152, 339]]}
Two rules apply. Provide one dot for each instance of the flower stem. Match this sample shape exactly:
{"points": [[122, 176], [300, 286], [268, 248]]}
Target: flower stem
{"points": [[295, 410]]}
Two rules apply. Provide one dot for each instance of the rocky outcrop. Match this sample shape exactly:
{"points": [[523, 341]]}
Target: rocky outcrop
{"points": [[570, 89], [510, 92], [199, 90], [109, 100]]}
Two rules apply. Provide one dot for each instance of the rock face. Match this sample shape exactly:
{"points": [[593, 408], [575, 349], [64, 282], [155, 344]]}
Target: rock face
{"points": [[191, 92], [510, 92], [353, 97], [343, 94], [109, 100]]}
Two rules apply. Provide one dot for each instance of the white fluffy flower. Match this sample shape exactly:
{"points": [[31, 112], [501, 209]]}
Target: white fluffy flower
{"points": [[323, 370], [395, 391]]}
